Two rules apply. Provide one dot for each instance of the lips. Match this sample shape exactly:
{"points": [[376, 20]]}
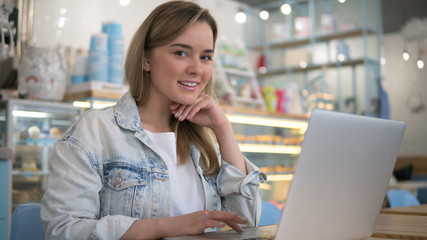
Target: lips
{"points": [[188, 84]]}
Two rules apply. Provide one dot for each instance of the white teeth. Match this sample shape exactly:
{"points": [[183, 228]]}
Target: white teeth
{"points": [[190, 84]]}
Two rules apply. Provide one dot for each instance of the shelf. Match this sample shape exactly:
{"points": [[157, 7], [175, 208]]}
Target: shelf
{"points": [[93, 89], [237, 72], [262, 113], [29, 173], [265, 148], [279, 177], [316, 38], [262, 118], [295, 69], [248, 100]]}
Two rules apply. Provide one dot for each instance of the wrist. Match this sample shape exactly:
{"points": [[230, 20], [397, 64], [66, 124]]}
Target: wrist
{"points": [[223, 128]]}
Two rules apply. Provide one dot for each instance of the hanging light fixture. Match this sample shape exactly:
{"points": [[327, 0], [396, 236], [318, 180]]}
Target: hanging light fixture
{"points": [[240, 17], [341, 1], [286, 9], [420, 62], [264, 15], [124, 3], [405, 55]]}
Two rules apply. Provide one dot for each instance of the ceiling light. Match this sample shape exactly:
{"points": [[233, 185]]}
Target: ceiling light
{"points": [[303, 64], [405, 55], [124, 2], [420, 63], [286, 9], [240, 17], [341, 57], [264, 15]]}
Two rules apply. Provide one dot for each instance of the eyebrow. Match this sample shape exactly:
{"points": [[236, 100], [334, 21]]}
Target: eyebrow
{"points": [[189, 47]]}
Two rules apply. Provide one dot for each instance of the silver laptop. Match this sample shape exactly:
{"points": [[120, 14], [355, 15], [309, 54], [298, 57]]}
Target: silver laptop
{"points": [[341, 177], [340, 181]]}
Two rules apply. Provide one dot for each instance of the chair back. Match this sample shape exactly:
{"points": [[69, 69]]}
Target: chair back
{"points": [[401, 198], [26, 223], [270, 214]]}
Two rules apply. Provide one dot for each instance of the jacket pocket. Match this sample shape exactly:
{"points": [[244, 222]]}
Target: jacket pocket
{"points": [[121, 175], [124, 189]]}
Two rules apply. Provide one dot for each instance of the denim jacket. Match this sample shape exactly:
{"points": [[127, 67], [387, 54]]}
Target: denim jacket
{"points": [[105, 174]]}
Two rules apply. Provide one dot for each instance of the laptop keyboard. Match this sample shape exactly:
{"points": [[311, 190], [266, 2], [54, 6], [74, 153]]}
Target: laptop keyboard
{"points": [[271, 237]]}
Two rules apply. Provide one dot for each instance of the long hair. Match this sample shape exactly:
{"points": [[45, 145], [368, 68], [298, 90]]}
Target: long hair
{"points": [[164, 24]]}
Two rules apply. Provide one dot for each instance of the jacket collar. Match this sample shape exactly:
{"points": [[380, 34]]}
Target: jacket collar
{"points": [[126, 113]]}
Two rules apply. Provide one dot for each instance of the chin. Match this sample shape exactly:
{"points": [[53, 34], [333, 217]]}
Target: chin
{"points": [[187, 102]]}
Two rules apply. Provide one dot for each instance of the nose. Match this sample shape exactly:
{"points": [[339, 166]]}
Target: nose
{"points": [[195, 66]]}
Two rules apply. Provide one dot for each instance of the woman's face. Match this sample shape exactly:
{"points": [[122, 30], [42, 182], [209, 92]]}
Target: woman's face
{"points": [[180, 70]]}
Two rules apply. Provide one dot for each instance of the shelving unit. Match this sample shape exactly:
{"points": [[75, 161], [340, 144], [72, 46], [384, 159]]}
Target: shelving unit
{"points": [[232, 79], [94, 94], [30, 129], [275, 158], [357, 24]]}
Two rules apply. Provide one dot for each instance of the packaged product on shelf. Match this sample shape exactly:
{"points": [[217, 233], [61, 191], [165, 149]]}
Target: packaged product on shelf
{"points": [[245, 90], [294, 103], [98, 58], [281, 100], [239, 138], [343, 51], [115, 46], [294, 57], [278, 140], [269, 93], [302, 26], [42, 74], [329, 22], [280, 32], [79, 73]]}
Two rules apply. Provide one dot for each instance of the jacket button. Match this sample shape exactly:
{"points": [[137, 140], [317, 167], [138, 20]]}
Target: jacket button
{"points": [[117, 179]]}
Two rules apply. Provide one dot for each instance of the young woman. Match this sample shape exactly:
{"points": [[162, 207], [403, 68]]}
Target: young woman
{"points": [[150, 167]]}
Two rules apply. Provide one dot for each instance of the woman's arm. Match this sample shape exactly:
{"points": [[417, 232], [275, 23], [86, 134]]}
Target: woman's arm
{"points": [[206, 112], [238, 179], [189, 224]]}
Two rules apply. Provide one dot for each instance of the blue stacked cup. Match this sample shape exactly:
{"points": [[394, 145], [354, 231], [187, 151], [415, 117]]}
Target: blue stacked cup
{"points": [[98, 58], [115, 51]]}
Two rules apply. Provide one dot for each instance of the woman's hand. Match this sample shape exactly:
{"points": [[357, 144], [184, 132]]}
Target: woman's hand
{"points": [[207, 113], [204, 112], [189, 224], [197, 222]]}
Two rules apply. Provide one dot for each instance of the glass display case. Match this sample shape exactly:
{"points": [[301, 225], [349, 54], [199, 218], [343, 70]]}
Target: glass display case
{"points": [[30, 129], [272, 141]]}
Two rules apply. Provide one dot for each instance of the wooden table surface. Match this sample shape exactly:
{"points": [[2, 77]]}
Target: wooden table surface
{"points": [[420, 210], [400, 226]]}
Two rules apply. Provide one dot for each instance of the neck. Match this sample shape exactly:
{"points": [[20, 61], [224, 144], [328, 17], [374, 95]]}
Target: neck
{"points": [[155, 117]]}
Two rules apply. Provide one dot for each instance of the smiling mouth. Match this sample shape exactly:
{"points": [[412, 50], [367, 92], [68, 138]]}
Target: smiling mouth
{"points": [[189, 84]]}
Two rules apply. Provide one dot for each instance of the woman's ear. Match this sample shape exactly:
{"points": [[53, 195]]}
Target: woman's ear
{"points": [[146, 63]]}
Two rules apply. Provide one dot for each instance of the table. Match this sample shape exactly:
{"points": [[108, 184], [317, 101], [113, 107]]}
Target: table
{"points": [[420, 210], [401, 226], [392, 223]]}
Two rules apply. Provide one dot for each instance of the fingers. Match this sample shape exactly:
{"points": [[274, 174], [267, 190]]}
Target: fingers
{"points": [[182, 112], [220, 218], [178, 111]]}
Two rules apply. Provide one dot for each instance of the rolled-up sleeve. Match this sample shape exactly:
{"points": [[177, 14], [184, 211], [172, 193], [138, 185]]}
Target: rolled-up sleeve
{"points": [[240, 192]]}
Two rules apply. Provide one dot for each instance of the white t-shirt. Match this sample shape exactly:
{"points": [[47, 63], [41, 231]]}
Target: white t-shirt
{"points": [[186, 185]]}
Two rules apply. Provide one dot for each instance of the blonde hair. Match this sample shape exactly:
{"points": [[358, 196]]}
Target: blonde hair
{"points": [[164, 24]]}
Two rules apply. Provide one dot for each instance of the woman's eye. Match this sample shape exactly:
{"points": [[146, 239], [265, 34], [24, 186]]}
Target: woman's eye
{"points": [[206, 58], [181, 53]]}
